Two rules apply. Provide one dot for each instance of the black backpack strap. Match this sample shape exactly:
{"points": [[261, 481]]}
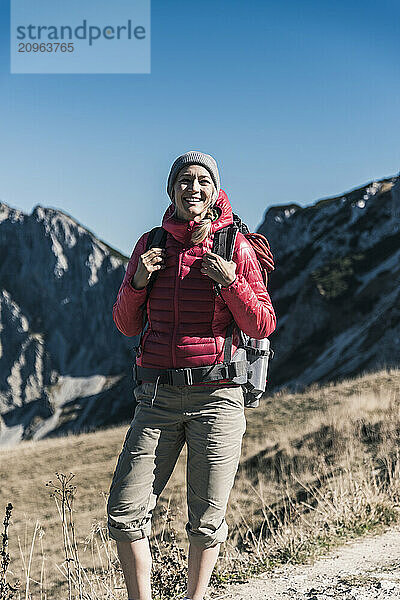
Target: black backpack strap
{"points": [[228, 343], [219, 242], [230, 242], [157, 238], [224, 245], [239, 224], [224, 241]]}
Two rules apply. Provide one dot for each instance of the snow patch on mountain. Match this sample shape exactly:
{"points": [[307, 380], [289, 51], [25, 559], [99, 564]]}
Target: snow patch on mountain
{"points": [[94, 262]]}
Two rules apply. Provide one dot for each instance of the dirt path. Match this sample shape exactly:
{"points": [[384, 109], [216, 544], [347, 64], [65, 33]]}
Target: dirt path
{"points": [[366, 569]]}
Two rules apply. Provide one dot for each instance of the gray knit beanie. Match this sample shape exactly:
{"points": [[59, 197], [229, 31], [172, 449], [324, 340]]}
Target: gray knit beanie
{"points": [[193, 157]]}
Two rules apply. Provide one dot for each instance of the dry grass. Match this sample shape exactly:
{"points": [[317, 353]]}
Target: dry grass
{"points": [[316, 467]]}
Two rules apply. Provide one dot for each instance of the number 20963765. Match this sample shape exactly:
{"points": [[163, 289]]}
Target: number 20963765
{"points": [[46, 47]]}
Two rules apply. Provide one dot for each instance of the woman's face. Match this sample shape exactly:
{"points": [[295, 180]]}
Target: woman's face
{"points": [[193, 191]]}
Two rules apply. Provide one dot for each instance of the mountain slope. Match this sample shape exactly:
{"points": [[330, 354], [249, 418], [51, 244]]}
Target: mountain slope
{"points": [[336, 287], [63, 363]]}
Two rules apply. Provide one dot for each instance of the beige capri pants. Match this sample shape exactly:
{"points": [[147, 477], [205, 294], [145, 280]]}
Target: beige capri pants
{"points": [[211, 421]]}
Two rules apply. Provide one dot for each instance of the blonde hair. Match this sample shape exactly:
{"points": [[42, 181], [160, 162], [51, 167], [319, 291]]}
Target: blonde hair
{"points": [[203, 230]]}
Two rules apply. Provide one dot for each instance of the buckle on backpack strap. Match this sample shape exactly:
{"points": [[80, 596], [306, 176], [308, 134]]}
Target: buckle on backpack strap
{"points": [[180, 376]]}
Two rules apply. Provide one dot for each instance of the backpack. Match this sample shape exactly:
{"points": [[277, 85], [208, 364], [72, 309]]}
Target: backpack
{"points": [[255, 353]]}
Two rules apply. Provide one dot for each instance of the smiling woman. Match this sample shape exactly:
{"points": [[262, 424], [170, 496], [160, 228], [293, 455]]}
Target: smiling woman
{"points": [[185, 392]]}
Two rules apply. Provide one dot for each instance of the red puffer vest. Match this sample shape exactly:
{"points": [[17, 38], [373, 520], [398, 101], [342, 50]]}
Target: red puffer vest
{"points": [[187, 319]]}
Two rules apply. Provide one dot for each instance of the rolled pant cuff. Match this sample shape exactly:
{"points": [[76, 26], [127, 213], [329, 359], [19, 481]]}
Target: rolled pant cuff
{"points": [[128, 535], [207, 540]]}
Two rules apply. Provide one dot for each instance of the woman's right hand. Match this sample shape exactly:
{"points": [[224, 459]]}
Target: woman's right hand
{"points": [[152, 260]]}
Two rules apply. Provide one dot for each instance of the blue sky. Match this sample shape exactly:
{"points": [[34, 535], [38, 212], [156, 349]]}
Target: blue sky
{"points": [[296, 101]]}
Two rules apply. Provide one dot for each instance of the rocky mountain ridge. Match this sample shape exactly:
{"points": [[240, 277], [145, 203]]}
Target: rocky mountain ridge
{"points": [[336, 289], [63, 363]]}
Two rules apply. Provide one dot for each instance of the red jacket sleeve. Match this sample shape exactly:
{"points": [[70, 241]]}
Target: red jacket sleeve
{"points": [[247, 297], [126, 310]]}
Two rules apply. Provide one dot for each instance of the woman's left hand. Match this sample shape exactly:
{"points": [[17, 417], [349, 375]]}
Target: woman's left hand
{"points": [[221, 270]]}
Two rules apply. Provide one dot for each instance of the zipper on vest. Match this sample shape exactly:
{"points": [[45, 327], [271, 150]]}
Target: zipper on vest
{"points": [[177, 282]]}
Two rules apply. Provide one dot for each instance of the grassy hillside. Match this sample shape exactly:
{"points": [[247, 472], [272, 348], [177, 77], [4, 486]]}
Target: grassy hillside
{"points": [[316, 467]]}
